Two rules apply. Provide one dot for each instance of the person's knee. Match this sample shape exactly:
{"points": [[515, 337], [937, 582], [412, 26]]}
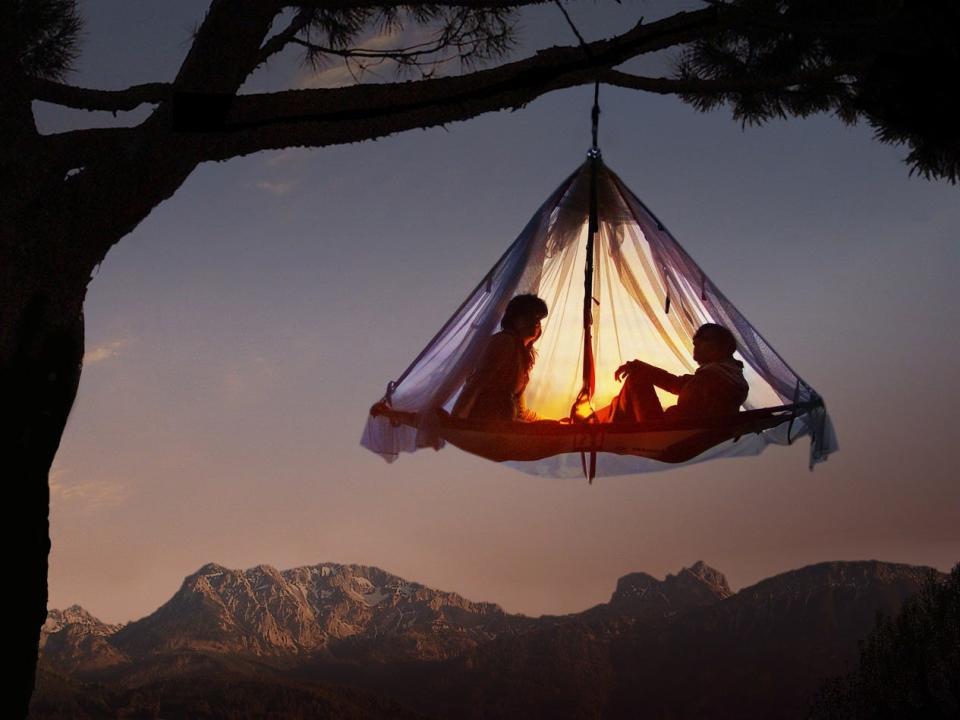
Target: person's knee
{"points": [[641, 371], [629, 387], [635, 381]]}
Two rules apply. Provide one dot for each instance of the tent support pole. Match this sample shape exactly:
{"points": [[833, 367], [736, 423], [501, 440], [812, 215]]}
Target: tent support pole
{"points": [[593, 224]]}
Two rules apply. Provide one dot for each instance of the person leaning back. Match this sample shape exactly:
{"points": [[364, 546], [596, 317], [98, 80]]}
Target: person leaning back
{"points": [[717, 387]]}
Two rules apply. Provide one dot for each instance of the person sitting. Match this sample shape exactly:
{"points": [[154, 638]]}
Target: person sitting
{"points": [[494, 390], [716, 388]]}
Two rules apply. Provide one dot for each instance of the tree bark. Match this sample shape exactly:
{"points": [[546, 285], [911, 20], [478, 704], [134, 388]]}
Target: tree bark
{"points": [[40, 364], [53, 233]]}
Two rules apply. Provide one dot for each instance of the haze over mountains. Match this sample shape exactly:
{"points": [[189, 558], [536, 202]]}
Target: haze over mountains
{"points": [[355, 641]]}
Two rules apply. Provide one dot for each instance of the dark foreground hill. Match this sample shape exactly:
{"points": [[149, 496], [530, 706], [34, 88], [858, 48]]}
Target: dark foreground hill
{"points": [[357, 642]]}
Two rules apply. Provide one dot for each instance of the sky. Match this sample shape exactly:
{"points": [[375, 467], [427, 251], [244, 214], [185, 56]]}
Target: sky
{"points": [[238, 336]]}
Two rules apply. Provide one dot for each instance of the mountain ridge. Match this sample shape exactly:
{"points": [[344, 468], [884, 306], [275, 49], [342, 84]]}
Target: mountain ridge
{"points": [[446, 656]]}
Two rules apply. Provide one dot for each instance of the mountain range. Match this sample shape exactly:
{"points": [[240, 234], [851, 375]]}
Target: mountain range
{"points": [[334, 640]]}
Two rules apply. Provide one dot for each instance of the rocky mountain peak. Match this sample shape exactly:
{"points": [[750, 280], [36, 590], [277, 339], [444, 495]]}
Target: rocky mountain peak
{"points": [[703, 580], [73, 638], [79, 620], [635, 585], [696, 586], [323, 608], [210, 569]]}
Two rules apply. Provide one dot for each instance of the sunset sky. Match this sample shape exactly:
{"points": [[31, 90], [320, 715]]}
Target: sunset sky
{"points": [[237, 337]]}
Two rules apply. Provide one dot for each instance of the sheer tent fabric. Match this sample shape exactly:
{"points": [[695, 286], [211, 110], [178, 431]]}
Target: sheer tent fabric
{"points": [[648, 298]]}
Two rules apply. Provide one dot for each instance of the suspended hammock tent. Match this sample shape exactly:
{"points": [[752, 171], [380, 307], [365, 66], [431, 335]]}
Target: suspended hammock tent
{"points": [[644, 297]]}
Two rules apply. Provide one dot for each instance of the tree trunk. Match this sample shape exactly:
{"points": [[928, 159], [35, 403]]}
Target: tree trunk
{"points": [[54, 230], [41, 353]]}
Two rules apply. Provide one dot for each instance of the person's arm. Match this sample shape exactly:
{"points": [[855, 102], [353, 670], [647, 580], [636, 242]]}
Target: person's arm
{"points": [[651, 373], [695, 397], [526, 414]]}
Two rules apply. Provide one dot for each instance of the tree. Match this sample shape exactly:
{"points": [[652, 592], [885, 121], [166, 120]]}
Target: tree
{"points": [[67, 198], [910, 665]]}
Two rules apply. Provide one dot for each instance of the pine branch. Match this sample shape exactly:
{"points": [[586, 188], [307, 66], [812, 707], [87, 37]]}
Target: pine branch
{"points": [[279, 41], [92, 99], [696, 86], [333, 116], [464, 46]]}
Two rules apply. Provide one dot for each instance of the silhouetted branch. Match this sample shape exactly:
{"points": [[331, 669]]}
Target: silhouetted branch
{"points": [[695, 86], [279, 41], [453, 43], [77, 148], [92, 99], [411, 51], [227, 46], [333, 116], [384, 4]]}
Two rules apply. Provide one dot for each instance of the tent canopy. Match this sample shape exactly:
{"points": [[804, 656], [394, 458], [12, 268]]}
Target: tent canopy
{"points": [[648, 297]]}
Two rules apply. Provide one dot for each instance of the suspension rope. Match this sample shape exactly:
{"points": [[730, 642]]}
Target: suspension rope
{"points": [[570, 23], [595, 112], [595, 115]]}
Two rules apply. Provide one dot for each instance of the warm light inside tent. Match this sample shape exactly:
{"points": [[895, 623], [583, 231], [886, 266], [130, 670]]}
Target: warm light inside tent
{"points": [[628, 319], [582, 407]]}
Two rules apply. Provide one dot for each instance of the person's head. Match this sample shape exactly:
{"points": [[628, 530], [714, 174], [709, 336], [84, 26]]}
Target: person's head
{"points": [[712, 343], [522, 317]]}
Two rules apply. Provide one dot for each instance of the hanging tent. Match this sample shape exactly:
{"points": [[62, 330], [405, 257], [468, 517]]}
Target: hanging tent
{"points": [[619, 287]]}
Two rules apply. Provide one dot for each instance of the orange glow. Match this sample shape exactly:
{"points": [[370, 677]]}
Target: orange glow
{"points": [[622, 329], [629, 321], [582, 409]]}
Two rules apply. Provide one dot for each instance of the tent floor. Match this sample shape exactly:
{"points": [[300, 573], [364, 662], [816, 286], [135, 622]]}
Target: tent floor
{"points": [[670, 441]]}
